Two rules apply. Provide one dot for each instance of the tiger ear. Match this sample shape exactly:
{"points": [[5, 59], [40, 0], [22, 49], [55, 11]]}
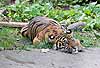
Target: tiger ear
{"points": [[68, 31]]}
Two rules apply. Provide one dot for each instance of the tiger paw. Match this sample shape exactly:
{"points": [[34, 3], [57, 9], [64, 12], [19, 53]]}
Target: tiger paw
{"points": [[81, 49], [70, 50], [75, 52]]}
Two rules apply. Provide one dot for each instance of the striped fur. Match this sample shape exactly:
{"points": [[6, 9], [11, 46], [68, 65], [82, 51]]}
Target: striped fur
{"points": [[61, 42], [74, 45], [40, 28]]}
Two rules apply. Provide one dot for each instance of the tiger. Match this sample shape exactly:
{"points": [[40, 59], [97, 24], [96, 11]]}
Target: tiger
{"points": [[42, 28], [73, 44]]}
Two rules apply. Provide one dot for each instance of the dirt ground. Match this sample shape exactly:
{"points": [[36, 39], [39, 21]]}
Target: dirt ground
{"points": [[52, 59]]}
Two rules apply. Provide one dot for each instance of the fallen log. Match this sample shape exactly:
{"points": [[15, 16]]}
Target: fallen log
{"points": [[21, 24], [13, 24]]}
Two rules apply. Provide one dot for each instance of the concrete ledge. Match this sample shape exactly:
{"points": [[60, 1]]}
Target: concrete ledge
{"points": [[53, 59]]}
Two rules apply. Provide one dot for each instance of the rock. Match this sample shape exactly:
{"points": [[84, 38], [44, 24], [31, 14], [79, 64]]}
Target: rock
{"points": [[45, 50]]}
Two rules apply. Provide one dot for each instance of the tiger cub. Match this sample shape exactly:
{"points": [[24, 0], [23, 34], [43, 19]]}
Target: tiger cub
{"points": [[74, 45], [40, 28]]}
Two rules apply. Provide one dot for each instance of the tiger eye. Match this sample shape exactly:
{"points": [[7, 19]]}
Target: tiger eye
{"points": [[69, 31], [51, 37]]}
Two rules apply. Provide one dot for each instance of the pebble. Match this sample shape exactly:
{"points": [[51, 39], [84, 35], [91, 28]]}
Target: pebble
{"points": [[45, 50]]}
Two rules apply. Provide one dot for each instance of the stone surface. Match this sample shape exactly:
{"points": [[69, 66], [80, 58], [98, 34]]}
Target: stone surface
{"points": [[52, 59]]}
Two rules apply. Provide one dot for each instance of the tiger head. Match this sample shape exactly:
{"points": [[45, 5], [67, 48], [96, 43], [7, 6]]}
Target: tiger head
{"points": [[57, 37], [62, 41], [52, 32]]}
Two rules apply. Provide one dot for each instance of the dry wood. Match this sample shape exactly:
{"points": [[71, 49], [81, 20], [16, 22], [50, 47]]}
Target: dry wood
{"points": [[13, 24]]}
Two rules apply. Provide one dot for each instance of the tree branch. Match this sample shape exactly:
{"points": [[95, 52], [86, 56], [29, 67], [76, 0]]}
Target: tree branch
{"points": [[13, 24]]}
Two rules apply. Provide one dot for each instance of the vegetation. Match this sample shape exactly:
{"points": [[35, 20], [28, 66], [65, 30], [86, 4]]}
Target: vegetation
{"points": [[89, 13], [55, 3], [11, 39], [68, 10]]}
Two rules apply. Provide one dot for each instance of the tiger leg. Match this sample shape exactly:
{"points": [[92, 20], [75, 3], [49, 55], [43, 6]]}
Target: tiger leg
{"points": [[70, 49], [75, 49], [36, 41], [39, 37], [80, 47]]}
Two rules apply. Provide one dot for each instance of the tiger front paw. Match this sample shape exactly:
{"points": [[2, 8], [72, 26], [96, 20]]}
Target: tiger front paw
{"points": [[70, 50]]}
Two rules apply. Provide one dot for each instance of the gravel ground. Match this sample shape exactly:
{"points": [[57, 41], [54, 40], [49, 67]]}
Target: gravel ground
{"points": [[52, 59]]}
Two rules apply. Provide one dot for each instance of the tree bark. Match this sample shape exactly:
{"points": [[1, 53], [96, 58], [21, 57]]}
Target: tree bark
{"points": [[13, 24]]}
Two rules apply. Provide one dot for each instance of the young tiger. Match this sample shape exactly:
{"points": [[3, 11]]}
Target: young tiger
{"points": [[40, 28], [73, 44]]}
